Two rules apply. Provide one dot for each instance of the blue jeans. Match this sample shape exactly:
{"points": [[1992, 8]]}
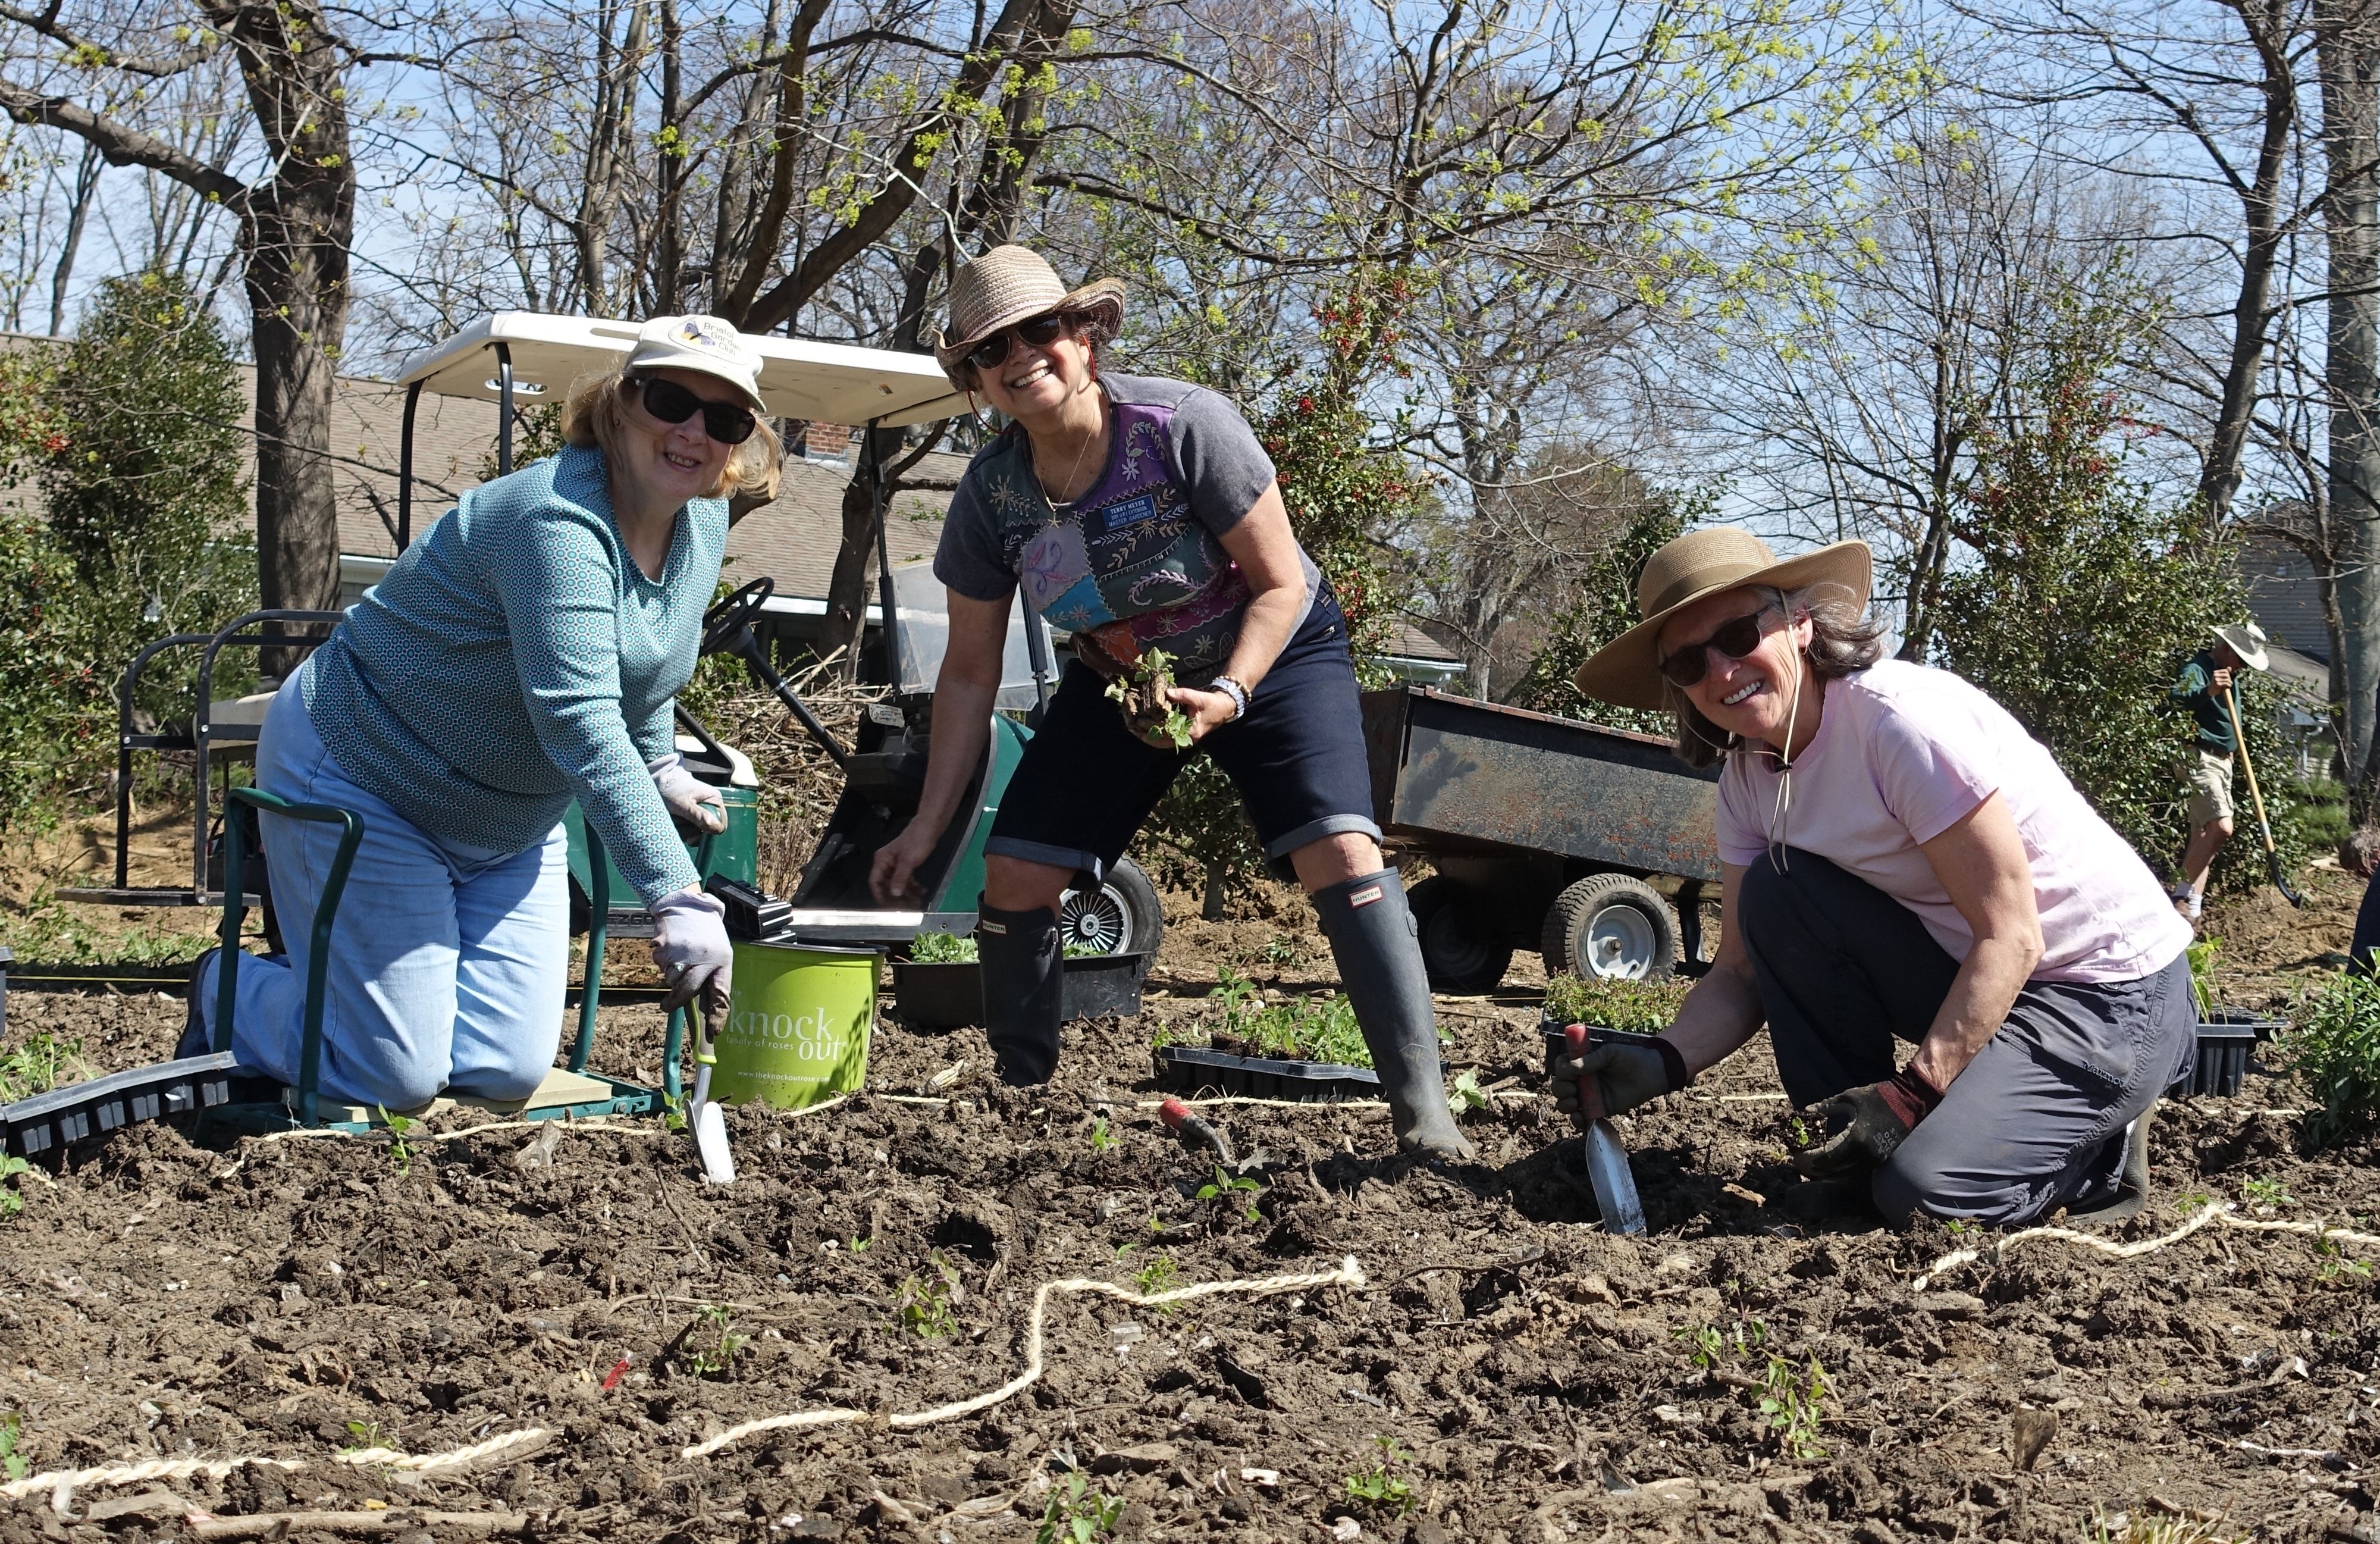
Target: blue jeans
{"points": [[448, 962]]}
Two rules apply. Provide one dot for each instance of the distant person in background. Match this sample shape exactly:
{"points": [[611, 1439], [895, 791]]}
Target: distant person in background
{"points": [[2204, 689], [2359, 854]]}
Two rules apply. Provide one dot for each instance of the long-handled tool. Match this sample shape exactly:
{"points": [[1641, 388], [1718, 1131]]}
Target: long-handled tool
{"points": [[1607, 1159], [2272, 854], [709, 1126]]}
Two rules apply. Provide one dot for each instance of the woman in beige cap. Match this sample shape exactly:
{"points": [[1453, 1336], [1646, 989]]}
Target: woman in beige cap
{"points": [[1900, 861], [1141, 517], [524, 653]]}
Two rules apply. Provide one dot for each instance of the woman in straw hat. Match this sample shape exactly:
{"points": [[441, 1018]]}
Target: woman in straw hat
{"points": [[1141, 517], [1900, 861], [525, 652]]}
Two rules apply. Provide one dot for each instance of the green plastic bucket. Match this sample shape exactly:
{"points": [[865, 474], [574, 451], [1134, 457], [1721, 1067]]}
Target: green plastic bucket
{"points": [[797, 1026]]}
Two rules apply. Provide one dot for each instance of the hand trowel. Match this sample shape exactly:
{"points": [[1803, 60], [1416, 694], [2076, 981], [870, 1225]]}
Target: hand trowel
{"points": [[1607, 1159], [710, 1125]]}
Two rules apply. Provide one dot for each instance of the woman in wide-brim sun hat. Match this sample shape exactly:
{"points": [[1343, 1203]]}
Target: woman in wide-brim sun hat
{"points": [[1140, 516], [525, 653], [1901, 862]]}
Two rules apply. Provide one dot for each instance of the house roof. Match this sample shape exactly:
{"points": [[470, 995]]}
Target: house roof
{"points": [[2283, 598]]}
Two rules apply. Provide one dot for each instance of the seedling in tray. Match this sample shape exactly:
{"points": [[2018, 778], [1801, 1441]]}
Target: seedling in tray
{"points": [[1147, 707]]}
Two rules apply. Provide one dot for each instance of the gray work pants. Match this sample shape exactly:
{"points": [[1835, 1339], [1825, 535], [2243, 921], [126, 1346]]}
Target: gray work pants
{"points": [[2035, 1122]]}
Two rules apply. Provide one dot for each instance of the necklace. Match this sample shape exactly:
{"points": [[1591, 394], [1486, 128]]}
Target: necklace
{"points": [[1096, 435]]}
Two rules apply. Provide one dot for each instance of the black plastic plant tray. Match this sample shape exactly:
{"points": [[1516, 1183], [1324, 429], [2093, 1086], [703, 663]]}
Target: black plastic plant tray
{"points": [[2226, 1038], [48, 1122], [949, 995], [1191, 1069]]}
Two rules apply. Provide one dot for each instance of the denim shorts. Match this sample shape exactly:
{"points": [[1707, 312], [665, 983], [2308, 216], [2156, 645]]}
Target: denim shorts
{"points": [[1296, 757]]}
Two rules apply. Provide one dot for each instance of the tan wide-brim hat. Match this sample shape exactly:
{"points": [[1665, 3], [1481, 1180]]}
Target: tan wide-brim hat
{"points": [[2248, 642], [1004, 286], [1701, 563], [699, 343]]}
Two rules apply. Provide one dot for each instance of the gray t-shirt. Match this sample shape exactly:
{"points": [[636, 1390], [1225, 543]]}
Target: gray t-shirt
{"points": [[1134, 563]]}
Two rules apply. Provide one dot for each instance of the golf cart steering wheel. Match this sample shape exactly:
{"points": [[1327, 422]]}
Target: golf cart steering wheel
{"points": [[729, 619]]}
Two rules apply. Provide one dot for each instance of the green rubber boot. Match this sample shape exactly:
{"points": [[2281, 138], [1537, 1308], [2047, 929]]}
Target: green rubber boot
{"points": [[1372, 936]]}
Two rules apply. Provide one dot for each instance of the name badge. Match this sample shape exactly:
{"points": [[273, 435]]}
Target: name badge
{"points": [[1131, 512]]}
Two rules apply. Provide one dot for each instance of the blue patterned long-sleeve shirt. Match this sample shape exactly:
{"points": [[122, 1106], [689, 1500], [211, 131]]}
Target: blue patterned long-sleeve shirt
{"points": [[516, 658]]}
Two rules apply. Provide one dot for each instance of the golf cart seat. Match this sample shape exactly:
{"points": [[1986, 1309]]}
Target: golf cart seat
{"points": [[881, 776]]}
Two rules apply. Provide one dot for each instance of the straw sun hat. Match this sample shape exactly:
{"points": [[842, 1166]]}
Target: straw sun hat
{"points": [[2247, 641], [1703, 563], [1004, 286]]}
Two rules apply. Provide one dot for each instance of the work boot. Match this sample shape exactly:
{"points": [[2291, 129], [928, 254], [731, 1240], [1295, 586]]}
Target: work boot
{"points": [[1022, 974], [2129, 1193], [1371, 933]]}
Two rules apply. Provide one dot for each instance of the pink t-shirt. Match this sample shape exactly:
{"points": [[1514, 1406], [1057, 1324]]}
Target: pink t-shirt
{"points": [[1902, 754]]}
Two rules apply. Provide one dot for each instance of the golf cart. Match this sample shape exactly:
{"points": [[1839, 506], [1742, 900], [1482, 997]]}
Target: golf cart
{"points": [[508, 358]]}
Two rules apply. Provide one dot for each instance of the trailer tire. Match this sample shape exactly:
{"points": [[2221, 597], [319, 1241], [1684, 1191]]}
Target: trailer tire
{"points": [[1611, 926], [1123, 916], [1459, 955]]}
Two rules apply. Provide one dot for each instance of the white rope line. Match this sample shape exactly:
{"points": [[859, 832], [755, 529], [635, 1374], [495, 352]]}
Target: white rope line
{"points": [[1349, 1274], [220, 1468], [461, 1458], [2221, 1212], [133, 1474]]}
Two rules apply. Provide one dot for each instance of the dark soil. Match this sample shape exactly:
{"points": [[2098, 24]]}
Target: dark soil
{"points": [[1523, 1376]]}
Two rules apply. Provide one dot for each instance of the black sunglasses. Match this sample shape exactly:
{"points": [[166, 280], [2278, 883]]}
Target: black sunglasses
{"points": [[1734, 637], [730, 423], [1040, 332]]}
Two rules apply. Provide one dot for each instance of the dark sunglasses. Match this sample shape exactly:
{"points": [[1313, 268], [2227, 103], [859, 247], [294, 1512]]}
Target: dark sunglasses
{"points": [[730, 423], [1734, 637], [1040, 332]]}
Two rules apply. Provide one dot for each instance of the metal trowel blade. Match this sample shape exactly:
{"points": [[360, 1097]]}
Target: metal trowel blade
{"points": [[1615, 1187], [711, 1140]]}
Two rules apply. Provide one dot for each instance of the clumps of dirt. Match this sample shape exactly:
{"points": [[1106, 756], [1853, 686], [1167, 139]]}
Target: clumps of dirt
{"points": [[1509, 1373], [2266, 948]]}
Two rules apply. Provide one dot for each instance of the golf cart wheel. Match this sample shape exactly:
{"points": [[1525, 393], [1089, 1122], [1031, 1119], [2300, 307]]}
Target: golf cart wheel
{"points": [[1122, 917], [1458, 948], [1611, 926]]}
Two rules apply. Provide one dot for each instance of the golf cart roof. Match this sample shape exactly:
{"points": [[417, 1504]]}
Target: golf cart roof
{"points": [[830, 382]]}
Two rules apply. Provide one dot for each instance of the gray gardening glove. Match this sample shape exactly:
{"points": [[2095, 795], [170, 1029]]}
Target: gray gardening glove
{"points": [[691, 801], [1627, 1072], [690, 947]]}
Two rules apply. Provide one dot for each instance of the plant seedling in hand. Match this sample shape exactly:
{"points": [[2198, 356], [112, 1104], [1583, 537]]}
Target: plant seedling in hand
{"points": [[1148, 709]]}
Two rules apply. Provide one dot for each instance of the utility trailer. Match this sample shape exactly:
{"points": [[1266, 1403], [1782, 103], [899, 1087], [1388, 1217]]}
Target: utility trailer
{"points": [[1591, 845]]}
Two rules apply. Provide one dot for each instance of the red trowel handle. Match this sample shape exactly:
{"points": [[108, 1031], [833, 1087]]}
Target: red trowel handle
{"points": [[1590, 1099]]}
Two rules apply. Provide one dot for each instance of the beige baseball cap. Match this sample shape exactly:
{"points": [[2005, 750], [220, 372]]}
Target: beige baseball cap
{"points": [[699, 343]]}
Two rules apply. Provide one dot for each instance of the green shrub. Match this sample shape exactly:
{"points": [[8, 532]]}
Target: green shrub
{"points": [[2334, 1050], [1643, 1007]]}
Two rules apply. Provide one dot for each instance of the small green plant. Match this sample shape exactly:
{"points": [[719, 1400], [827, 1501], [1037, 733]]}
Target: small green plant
{"points": [[40, 1065], [943, 949], [366, 1435], [1161, 1037], [400, 1152], [2336, 1051], [1380, 1485], [1282, 949], [1102, 1139], [2192, 1200], [1466, 1095], [1320, 1028], [1233, 991], [1956, 1227], [1159, 1275], [2332, 1265], [12, 1172], [2267, 1192], [673, 1111], [2201, 954], [1643, 1007], [1793, 1405], [12, 1438], [1227, 1190], [1076, 1514], [922, 1308], [1147, 707], [713, 1342], [1712, 1346], [858, 1244]]}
